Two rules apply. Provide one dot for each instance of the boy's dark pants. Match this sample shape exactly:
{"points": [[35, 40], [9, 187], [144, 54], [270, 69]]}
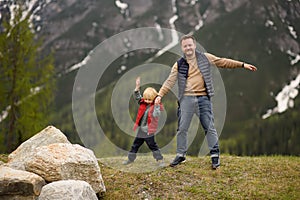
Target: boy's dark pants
{"points": [[150, 141]]}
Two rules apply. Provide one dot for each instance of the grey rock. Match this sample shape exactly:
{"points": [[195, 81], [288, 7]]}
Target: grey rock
{"points": [[68, 190]]}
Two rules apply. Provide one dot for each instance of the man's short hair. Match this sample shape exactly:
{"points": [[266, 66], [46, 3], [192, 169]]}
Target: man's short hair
{"points": [[188, 36]]}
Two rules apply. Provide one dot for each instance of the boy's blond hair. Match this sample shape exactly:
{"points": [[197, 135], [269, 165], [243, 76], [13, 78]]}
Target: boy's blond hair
{"points": [[150, 93]]}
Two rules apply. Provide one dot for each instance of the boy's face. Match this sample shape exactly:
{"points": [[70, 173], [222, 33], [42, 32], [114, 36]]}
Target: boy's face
{"points": [[148, 100]]}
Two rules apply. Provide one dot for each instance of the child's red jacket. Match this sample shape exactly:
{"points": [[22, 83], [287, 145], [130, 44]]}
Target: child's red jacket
{"points": [[152, 122]]}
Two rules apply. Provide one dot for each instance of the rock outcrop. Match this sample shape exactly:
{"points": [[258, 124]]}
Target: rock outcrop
{"points": [[47, 136], [62, 161], [48, 166], [19, 183]]}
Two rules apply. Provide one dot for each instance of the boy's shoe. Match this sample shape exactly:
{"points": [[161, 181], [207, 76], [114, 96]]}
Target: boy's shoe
{"points": [[177, 160], [161, 163], [215, 162], [126, 162]]}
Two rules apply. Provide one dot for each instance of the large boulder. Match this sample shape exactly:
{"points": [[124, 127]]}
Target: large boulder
{"points": [[63, 161], [47, 136], [18, 184], [68, 190]]}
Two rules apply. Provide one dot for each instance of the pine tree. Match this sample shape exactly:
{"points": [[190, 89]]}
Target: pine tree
{"points": [[26, 82]]}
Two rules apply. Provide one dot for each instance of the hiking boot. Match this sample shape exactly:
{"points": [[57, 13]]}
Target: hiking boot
{"points": [[126, 162], [215, 162], [177, 160], [161, 163]]}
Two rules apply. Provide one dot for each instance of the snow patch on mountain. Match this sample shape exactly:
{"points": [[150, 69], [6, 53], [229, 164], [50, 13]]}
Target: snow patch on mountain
{"points": [[80, 64], [296, 57], [285, 98], [124, 7], [30, 9], [174, 34], [292, 31]]}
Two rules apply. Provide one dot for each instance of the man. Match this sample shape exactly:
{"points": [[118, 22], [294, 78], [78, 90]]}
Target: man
{"points": [[193, 72]]}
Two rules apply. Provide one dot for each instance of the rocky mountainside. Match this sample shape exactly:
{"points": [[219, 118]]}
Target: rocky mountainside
{"points": [[72, 28], [264, 33]]}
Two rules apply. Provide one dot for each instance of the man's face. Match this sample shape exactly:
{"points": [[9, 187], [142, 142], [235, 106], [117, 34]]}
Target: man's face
{"points": [[188, 47]]}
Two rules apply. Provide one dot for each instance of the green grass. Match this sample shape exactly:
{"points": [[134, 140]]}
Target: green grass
{"points": [[264, 177], [274, 177], [3, 158]]}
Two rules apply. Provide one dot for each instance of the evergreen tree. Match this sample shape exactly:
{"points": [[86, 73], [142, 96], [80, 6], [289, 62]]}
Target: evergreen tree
{"points": [[26, 82]]}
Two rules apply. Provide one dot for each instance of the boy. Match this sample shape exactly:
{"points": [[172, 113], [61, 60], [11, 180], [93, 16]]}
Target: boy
{"points": [[147, 122]]}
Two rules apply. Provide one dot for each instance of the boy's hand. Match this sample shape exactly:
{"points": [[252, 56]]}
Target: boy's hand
{"points": [[137, 83]]}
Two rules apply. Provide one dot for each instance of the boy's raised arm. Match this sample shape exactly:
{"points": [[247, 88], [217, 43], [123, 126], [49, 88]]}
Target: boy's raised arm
{"points": [[137, 83]]}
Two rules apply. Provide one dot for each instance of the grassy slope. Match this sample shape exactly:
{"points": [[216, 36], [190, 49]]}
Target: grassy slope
{"points": [[265, 177], [238, 178]]}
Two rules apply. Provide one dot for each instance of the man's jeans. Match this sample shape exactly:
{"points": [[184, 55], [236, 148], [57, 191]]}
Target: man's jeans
{"points": [[202, 106]]}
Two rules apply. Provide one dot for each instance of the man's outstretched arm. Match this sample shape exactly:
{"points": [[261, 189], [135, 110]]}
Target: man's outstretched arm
{"points": [[249, 67], [228, 63]]}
